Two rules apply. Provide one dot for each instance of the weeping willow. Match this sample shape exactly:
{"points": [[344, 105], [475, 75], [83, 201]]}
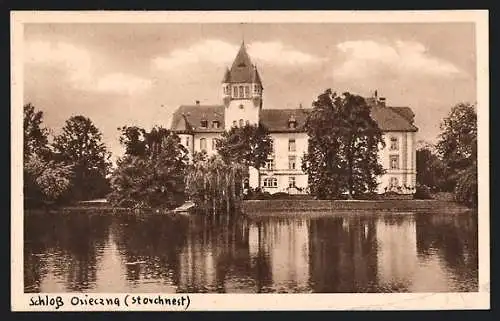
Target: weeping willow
{"points": [[214, 185]]}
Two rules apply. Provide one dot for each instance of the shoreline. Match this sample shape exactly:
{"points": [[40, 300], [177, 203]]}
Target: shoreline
{"points": [[287, 208]]}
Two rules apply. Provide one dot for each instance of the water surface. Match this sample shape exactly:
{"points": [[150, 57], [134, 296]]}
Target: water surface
{"points": [[375, 252]]}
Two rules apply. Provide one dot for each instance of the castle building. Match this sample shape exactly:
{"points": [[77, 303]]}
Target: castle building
{"points": [[199, 127]]}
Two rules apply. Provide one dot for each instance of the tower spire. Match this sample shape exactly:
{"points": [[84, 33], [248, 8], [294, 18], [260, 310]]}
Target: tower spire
{"points": [[242, 29]]}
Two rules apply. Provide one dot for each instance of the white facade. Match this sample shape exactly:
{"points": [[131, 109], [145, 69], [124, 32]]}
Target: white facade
{"points": [[283, 172], [242, 104], [399, 161]]}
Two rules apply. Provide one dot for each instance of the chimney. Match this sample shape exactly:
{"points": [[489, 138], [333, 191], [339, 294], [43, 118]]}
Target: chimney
{"points": [[382, 101], [197, 103]]}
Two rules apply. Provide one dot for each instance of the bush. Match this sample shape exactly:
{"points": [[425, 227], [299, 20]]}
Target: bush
{"points": [[422, 192], [466, 188], [257, 194]]}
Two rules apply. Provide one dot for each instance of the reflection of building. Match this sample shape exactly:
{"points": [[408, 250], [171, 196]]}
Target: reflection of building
{"points": [[397, 252], [286, 244], [342, 254], [199, 127]]}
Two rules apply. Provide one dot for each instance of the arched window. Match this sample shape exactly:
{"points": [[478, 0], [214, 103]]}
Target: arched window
{"points": [[203, 144], [242, 123]]}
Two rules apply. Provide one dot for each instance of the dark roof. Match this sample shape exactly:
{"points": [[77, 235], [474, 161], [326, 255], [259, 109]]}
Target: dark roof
{"points": [[242, 70], [187, 118], [277, 120], [406, 112], [391, 119]]}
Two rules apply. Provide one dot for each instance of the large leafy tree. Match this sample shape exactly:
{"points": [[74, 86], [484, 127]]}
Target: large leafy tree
{"points": [[80, 145], [248, 145], [457, 147], [152, 171], [344, 141]]}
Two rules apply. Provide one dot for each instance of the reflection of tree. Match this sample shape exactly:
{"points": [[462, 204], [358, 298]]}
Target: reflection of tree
{"points": [[454, 237], [343, 254], [153, 243], [216, 255], [69, 242]]}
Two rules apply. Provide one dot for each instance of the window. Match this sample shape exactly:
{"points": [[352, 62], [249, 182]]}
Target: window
{"points": [[204, 123], [234, 123], [270, 182], [242, 123], [292, 124], [271, 142], [292, 162], [291, 145], [394, 143], [270, 164], [241, 106], [215, 124], [394, 162], [235, 92], [203, 144], [214, 143], [394, 182], [247, 91], [187, 141], [241, 92], [291, 181]]}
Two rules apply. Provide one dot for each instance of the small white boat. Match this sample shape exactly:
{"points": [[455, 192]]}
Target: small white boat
{"points": [[184, 208]]}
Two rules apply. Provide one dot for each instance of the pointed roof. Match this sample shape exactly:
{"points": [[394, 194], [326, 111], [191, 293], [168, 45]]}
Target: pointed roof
{"points": [[242, 69]]}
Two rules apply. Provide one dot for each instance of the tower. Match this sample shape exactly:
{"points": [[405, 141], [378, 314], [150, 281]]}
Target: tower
{"points": [[242, 91]]}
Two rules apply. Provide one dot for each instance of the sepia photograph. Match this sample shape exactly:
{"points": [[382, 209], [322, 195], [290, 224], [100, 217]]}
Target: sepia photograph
{"points": [[171, 156]]}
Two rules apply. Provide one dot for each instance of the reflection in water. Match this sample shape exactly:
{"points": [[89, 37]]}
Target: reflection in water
{"points": [[154, 253]]}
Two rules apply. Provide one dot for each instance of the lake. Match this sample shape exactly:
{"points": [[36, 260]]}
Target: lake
{"points": [[371, 252]]}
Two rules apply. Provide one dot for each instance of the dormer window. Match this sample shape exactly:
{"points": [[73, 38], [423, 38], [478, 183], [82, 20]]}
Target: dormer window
{"points": [[204, 123], [235, 92], [247, 91], [241, 92], [292, 123], [215, 124]]}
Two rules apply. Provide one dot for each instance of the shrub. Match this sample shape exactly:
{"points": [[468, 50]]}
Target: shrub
{"points": [[422, 192], [466, 188]]}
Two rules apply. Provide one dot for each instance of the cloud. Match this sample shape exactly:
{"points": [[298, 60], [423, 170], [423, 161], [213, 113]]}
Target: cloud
{"points": [[76, 62], [367, 58], [222, 53], [120, 83]]}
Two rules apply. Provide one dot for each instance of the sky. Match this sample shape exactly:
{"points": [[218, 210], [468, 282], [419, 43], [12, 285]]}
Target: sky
{"points": [[138, 74]]}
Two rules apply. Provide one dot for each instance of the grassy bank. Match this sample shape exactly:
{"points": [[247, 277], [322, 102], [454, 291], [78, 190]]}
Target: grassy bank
{"points": [[328, 207]]}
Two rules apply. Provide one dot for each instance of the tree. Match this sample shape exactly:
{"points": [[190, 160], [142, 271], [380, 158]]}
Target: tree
{"points": [[430, 169], [457, 143], [457, 147], [344, 141], [35, 136], [214, 184], [249, 145], [45, 180], [152, 172], [80, 145]]}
